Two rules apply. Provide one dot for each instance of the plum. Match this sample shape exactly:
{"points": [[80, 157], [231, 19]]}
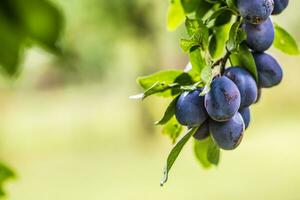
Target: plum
{"points": [[245, 82], [255, 11], [190, 110], [279, 6], [269, 71], [259, 93], [202, 132], [223, 100], [228, 135], [260, 37], [245, 113]]}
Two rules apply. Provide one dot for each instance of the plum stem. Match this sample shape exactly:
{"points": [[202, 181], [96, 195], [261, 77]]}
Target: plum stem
{"points": [[224, 61]]}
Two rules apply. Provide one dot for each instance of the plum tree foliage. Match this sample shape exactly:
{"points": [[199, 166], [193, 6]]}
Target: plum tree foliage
{"points": [[226, 43], [26, 23], [22, 24]]}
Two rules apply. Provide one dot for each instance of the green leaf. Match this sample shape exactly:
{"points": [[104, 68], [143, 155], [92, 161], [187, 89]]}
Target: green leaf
{"points": [[203, 8], [169, 113], [164, 81], [198, 31], [222, 15], [232, 4], [166, 76], [198, 60], [206, 74], [244, 58], [224, 18], [218, 41], [206, 152], [172, 129], [11, 39], [236, 36], [213, 153], [5, 174], [190, 6], [175, 152], [41, 20], [187, 44], [176, 15], [284, 41], [157, 88]]}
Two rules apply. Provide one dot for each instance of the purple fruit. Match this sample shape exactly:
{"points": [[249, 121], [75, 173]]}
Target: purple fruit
{"points": [[202, 132], [246, 84], [260, 37], [279, 6], [255, 11], [245, 113], [190, 109], [223, 100], [228, 135], [269, 71]]}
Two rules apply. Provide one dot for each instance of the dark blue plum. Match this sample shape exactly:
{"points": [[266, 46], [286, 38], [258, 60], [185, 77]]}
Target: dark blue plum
{"points": [[245, 113], [260, 37], [255, 11], [202, 132], [223, 100], [269, 71], [279, 6], [246, 84], [258, 95], [190, 109], [228, 135]]}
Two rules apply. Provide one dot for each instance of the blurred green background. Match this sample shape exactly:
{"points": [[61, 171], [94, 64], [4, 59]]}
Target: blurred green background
{"points": [[70, 132]]}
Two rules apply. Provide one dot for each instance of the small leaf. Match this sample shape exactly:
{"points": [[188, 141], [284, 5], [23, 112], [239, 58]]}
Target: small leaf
{"points": [[172, 129], [175, 152], [176, 15], [42, 21], [5, 174], [284, 41], [196, 26], [187, 44], [198, 60], [232, 4], [236, 36], [213, 153], [203, 8], [206, 74], [11, 39], [169, 113], [165, 80], [221, 35], [244, 58], [156, 88], [206, 152], [190, 6], [224, 13]]}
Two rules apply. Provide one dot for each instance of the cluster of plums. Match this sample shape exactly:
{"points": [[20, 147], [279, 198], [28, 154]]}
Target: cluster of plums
{"points": [[224, 111]]}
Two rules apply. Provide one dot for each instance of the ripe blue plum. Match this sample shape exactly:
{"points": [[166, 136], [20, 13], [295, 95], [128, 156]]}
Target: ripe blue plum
{"points": [[279, 6], [269, 71], [245, 113], [246, 84], [258, 95], [202, 132], [228, 135], [190, 110], [260, 37], [223, 100], [255, 11]]}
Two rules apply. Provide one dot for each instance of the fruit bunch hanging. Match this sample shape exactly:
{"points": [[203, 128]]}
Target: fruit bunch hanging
{"points": [[226, 43]]}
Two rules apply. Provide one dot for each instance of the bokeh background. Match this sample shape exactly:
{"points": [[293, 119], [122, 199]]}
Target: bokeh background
{"points": [[69, 130]]}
